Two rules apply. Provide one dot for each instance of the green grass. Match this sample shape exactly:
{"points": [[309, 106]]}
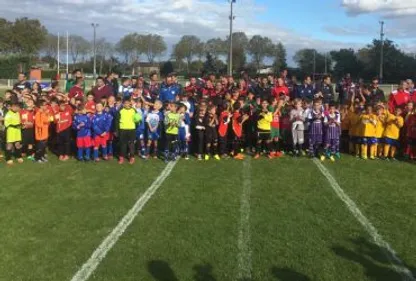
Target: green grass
{"points": [[55, 215]]}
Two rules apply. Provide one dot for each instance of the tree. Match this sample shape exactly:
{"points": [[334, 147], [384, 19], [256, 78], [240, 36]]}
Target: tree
{"points": [[167, 67], [305, 60], [346, 61], [152, 45], [6, 35], [28, 36], [209, 64], [259, 47], [279, 56], [216, 47], [127, 47], [187, 48], [240, 42], [78, 46], [104, 50]]}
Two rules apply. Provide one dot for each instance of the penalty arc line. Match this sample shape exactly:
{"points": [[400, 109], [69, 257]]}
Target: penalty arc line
{"points": [[387, 250], [244, 253], [107, 244]]}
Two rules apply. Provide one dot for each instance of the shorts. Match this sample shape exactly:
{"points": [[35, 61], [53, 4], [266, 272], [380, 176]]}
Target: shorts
{"points": [[153, 136], [211, 135], [391, 142], [100, 141], [275, 133], [28, 136], [110, 136], [367, 140], [263, 135], [140, 134], [84, 142], [127, 136]]}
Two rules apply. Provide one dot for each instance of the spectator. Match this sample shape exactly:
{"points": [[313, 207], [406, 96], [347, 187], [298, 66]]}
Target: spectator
{"points": [[21, 83], [101, 90], [169, 91], [112, 82], [306, 91], [377, 94], [77, 91], [71, 82]]}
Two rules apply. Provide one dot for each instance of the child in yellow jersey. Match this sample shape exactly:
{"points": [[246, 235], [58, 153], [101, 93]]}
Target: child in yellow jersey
{"points": [[264, 120], [368, 123], [392, 133], [380, 126], [354, 129]]}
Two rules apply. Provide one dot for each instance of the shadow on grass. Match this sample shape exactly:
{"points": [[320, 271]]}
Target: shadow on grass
{"points": [[161, 271], [203, 272], [372, 258], [287, 274]]}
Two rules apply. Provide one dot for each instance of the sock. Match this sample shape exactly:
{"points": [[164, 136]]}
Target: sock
{"points": [[18, 153], [87, 153], [373, 150], [386, 150], [393, 151], [8, 154], [147, 150], [350, 147], [95, 153], [104, 151], [357, 149], [110, 148], [379, 150], [364, 148], [186, 148], [166, 154], [80, 153]]}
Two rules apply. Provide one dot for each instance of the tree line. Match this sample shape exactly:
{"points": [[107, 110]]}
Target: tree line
{"points": [[29, 38]]}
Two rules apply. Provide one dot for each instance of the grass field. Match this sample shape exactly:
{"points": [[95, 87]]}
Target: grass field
{"points": [[210, 221]]}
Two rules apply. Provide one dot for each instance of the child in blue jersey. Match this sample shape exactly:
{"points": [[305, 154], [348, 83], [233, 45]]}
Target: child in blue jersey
{"points": [[153, 121], [125, 90], [184, 132], [101, 125], [141, 127], [82, 126], [112, 110]]}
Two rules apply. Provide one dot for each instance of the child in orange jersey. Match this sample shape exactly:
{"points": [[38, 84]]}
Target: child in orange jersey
{"points": [[42, 121]]}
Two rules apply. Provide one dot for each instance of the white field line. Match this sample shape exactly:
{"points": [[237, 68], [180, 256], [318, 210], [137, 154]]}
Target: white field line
{"points": [[244, 251], [99, 254], [387, 250]]}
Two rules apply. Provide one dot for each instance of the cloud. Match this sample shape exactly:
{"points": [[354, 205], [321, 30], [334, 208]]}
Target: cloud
{"points": [[386, 8], [169, 18]]}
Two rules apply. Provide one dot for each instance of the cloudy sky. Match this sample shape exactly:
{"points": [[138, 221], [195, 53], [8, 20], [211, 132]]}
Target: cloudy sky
{"points": [[323, 24]]}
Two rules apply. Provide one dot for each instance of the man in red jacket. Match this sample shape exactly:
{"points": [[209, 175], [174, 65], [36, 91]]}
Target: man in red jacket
{"points": [[399, 98], [280, 88], [101, 90]]}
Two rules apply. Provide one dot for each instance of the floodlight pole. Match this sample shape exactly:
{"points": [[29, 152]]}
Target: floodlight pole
{"points": [[94, 26], [381, 49], [230, 52]]}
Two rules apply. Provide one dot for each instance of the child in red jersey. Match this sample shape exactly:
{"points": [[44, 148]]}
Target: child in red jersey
{"points": [[27, 117], [90, 104], [410, 131], [223, 129], [238, 120], [63, 121], [275, 127]]}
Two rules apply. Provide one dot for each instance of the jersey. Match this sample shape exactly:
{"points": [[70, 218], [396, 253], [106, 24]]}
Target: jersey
{"points": [[264, 121], [368, 125], [172, 123], [12, 122], [380, 126], [393, 126]]}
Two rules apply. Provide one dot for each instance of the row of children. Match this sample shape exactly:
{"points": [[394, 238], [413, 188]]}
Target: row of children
{"points": [[266, 127]]}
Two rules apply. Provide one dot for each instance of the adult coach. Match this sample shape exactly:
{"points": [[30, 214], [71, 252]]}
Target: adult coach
{"points": [[101, 90], [169, 90], [21, 83]]}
